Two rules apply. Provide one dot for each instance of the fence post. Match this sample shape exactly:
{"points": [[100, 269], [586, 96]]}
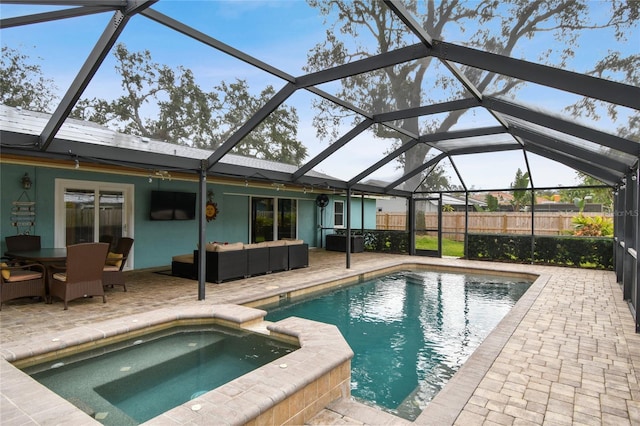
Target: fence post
{"points": [[560, 223]]}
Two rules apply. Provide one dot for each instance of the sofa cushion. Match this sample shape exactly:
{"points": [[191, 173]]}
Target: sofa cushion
{"points": [[230, 247], [183, 258], [293, 242], [277, 243]]}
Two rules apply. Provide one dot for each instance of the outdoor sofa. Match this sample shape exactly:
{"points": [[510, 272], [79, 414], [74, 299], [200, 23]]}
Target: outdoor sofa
{"points": [[238, 260]]}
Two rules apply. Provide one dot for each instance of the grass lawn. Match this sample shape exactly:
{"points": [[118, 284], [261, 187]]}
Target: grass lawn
{"points": [[449, 247]]}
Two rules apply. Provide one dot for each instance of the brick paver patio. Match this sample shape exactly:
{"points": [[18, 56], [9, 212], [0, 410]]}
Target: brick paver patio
{"points": [[566, 354]]}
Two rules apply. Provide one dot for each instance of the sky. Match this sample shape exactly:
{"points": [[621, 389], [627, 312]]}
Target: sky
{"points": [[282, 33]]}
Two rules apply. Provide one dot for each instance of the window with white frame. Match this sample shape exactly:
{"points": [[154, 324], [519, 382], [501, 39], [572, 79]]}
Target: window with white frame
{"points": [[338, 214]]}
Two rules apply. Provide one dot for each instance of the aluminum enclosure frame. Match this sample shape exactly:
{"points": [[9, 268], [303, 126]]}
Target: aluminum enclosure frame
{"points": [[620, 171]]}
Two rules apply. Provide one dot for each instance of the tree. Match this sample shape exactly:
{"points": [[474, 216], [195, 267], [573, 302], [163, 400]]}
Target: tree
{"points": [[189, 115], [22, 84], [407, 85], [611, 64], [437, 179], [273, 139], [520, 192], [492, 203], [602, 195]]}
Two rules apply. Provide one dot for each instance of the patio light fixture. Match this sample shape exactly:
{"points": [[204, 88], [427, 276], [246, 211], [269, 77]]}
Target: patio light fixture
{"points": [[163, 174], [26, 181]]}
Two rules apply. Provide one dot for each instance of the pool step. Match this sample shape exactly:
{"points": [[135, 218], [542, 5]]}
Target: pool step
{"points": [[414, 403]]}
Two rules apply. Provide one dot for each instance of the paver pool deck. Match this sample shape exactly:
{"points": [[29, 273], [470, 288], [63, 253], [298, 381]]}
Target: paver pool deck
{"points": [[566, 354]]}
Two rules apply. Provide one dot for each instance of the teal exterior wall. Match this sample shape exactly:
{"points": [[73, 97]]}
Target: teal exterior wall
{"points": [[326, 216], [356, 212], [307, 215], [156, 242]]}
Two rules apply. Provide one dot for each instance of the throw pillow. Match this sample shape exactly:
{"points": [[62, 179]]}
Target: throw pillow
{"points": [[5, 272], [114, 259]]}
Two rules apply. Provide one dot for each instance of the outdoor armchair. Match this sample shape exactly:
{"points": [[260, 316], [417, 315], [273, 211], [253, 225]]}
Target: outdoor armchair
{"points": [[22, 242], [21, 280], [106, 239], [82, 274], [112, 271]]}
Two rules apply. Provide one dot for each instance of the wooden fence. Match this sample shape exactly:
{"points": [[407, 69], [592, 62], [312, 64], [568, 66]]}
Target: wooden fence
{"points": [[545, 223]]}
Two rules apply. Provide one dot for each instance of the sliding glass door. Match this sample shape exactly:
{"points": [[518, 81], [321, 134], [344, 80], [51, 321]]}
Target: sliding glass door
{"points": [[273, 217], [262, 219], [287, 218], [92, 215], [92, 211]]}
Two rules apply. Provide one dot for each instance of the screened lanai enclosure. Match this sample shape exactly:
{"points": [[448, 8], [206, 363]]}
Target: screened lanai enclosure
{"points": [[408, 99]]}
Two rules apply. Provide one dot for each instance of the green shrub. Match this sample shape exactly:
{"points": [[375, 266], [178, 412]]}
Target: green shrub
{"points": [[596, 252], [592, 226], [382, 240]]}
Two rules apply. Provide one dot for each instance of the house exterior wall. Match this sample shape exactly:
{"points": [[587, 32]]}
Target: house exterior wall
{"points": [[356, 212], [327, 215], [156, 242], [392, 205]]}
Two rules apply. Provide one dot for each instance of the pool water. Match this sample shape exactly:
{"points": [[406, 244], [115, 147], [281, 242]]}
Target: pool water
{"points": [[136, 380], [410, 331]]}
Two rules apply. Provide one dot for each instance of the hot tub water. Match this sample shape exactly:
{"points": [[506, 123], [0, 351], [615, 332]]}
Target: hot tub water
{"points": [[136, 380]]}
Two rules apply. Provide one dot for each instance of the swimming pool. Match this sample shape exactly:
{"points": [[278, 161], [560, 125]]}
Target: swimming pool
{"points": [[410, 331], [135, 380]]}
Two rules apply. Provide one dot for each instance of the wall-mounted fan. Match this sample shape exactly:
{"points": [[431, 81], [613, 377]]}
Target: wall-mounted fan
{"points": [[322, 201]]}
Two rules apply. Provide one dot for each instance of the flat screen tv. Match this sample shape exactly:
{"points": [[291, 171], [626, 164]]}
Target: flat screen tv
{"points": [[173, 205]]}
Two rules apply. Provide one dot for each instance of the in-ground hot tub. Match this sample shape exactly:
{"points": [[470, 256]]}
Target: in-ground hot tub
{"points": [[291, 388], [130, 382]]}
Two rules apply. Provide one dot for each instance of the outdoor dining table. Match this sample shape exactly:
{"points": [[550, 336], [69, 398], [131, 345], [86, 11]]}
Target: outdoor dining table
{"points": [[43, 255]]}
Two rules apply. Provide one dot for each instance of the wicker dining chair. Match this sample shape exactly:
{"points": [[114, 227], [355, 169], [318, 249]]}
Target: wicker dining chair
{"points": [[22, 242], [82, 274], [105, 238], [21, 280], [112, 271]]}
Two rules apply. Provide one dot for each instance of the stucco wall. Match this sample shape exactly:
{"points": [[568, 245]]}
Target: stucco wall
{"points": [[157, 241]]}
